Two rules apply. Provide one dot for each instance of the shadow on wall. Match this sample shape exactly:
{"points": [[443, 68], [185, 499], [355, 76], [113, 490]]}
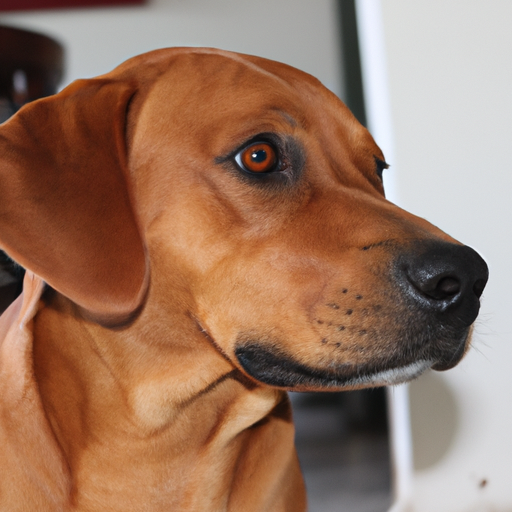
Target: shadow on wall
{"points": [[435, 415]]}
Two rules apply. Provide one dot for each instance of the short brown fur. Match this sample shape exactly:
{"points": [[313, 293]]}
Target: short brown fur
{"points": [[120, 385]]}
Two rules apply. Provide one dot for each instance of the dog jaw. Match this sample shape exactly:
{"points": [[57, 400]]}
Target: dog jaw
{"points": [[278, 370]]}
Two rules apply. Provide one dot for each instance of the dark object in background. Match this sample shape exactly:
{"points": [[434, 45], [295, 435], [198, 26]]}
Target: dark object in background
{"points": [[27, 5], [31, 67]]}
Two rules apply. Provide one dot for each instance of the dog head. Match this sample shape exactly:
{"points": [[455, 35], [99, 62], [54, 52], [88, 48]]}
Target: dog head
{"points": [[245, 193]]}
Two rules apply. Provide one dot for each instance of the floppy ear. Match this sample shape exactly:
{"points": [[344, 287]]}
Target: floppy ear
{"points": [[65, 207]]}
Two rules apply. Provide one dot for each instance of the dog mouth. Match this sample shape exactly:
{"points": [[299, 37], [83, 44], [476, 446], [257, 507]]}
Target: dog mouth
{"points": [[271, 365]]}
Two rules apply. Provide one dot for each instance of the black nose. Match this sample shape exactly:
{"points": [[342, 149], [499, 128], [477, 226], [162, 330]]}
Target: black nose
{"points": [[446, 278]]}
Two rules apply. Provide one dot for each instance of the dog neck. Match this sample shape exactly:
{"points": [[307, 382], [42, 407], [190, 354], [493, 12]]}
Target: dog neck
{"points": [[157, 405]]}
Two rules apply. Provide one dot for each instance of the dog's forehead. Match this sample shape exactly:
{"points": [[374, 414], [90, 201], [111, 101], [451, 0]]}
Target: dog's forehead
{"points": [[221, 82], [213, 100], [217, 82]]}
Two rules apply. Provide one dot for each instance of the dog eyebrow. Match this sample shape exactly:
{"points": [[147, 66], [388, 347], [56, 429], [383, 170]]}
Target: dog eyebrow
{"points": [[287, 117]]}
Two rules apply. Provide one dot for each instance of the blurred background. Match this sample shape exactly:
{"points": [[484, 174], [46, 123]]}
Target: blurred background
{"points": [[432, 82]]}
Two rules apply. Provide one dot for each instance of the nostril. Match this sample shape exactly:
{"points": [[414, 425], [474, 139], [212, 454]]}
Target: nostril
{"points": [[441, 288], [449, 286]]}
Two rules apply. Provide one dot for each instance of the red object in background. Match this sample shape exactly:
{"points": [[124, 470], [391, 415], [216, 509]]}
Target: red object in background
{"points": [[24, 5]]}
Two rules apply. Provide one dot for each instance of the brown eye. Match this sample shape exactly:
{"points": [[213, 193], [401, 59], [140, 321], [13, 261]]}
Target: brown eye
{"points": [[260, 157]]}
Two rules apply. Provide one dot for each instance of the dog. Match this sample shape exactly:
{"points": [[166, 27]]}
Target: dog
{"points": [[202, 232]]}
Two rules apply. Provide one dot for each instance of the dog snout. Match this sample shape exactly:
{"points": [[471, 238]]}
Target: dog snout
{"points": [[445, 278]]}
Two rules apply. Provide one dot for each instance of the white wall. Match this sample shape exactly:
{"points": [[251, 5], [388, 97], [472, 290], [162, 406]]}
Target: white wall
{"points": [[302, 33], [450, 78]]}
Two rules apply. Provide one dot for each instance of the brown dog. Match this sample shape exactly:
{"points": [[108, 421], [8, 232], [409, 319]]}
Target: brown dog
{"points": [[213, 231]]}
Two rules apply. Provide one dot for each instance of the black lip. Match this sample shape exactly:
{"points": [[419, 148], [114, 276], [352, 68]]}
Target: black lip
{"points": [[271, 366]]}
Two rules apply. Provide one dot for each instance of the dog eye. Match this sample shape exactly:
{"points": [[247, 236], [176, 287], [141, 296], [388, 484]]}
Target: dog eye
{"points": [[381, 165], [258, 157]]}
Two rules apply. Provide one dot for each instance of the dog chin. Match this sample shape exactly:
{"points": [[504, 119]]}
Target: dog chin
{"points": [[272, 367], [393, 376]]}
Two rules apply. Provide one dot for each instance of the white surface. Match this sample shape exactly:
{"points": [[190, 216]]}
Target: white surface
{"points": [[380, 123], [379, 117], [301, 33], [450, 77]]}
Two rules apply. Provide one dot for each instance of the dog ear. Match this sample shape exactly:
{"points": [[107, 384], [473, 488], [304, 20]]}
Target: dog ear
{"points": [[66, 211]]}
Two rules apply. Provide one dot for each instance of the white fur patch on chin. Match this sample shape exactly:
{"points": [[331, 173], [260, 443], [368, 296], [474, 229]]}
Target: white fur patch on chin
{"points": [[393, 376]]}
